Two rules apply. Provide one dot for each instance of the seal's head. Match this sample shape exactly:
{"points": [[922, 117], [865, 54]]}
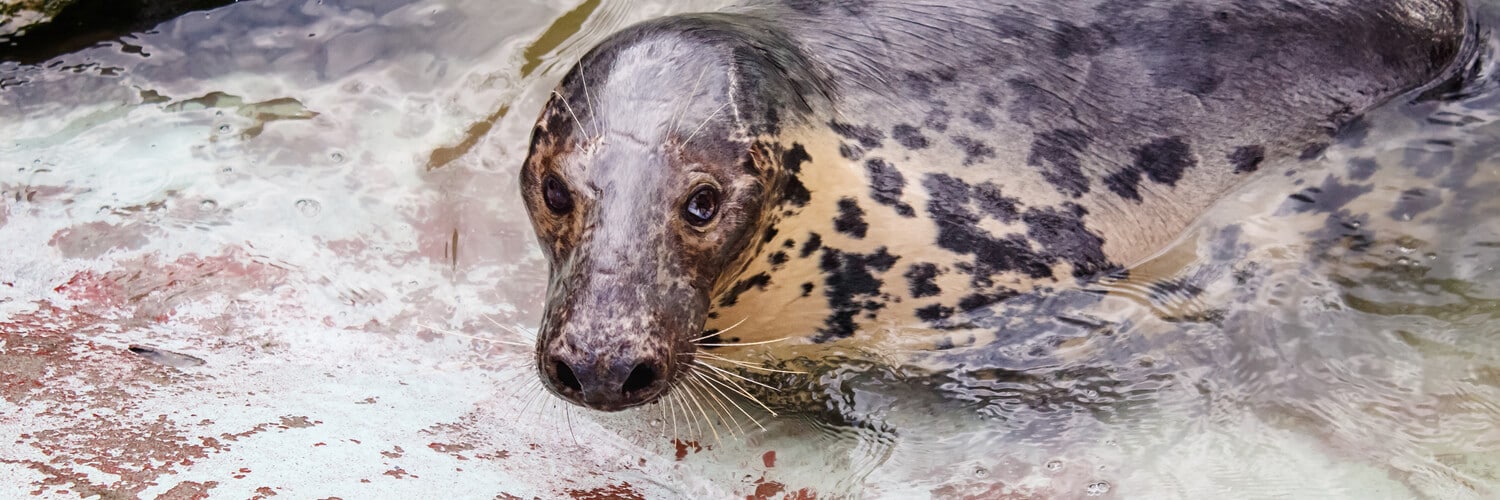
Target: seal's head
{"points": [[652, 170]]}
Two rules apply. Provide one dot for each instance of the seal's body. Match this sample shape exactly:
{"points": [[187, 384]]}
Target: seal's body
{"points": [[818, 169]]}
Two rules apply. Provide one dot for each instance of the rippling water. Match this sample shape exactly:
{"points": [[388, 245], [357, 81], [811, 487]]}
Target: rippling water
{"points": [[314, 201]]}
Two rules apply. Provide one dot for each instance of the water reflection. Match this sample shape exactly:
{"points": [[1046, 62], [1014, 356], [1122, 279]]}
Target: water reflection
{"points": [[292, 191]]}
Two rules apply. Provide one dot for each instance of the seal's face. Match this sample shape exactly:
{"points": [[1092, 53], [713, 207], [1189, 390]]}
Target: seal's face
{"points": [[643, 187]]}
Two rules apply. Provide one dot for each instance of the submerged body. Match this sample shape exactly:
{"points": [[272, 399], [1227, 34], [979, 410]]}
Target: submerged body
{"points": [[816, 170]]}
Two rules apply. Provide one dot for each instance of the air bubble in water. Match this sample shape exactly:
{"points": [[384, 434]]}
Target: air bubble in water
{"points": [[309, 208], [1054, 465], [337, 157], [208, 205], [224, 129], [981, 473], [1097, 488]]}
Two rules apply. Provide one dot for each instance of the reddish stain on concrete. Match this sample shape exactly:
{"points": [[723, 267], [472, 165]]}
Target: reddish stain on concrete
{"points": [[622, 491]]}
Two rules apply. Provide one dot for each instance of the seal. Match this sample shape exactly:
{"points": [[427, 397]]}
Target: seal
{"points": [[825, 172]]}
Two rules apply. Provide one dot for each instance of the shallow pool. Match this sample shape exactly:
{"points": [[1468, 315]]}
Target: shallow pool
{"points": [[276, 248]]}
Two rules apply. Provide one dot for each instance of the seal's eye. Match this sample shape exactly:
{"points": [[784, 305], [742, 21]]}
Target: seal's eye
{"points": [[556, 195], [701, 206]]}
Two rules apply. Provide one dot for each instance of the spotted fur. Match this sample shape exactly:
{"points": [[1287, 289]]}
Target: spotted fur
{"points": [[889, 162]]}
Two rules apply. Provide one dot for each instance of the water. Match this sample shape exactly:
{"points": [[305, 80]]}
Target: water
{"points": [[276, 245]]}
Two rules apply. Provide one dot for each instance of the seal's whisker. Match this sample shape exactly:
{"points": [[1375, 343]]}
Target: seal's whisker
{"points": [[672, 411], [721, 332], [593, 111], [731, 401], [687, 420], [693, 396], [568, 413], [714, 399], [569, 107], [529, 401], [763, 342], [705, 122], [736, 375], [751, 366], [467, 336], [692, 96], [511, 329], [734, 387]]}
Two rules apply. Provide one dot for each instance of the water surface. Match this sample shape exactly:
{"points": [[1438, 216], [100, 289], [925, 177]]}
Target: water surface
{"points": [[277, 246]]}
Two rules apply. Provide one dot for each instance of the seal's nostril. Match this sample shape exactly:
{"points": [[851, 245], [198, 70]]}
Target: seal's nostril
{"points": [[640, 378], [566, 378]]}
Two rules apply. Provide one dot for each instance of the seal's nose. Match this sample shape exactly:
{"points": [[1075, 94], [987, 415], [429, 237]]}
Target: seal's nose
{"points": [[606, 384]]}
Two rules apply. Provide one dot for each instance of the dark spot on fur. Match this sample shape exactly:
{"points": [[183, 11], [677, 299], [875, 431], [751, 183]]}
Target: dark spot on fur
{"points": [[850, 151], [1165, 160], [1362, 168], [980, 119], [851, 219], [789, 243], [807, 289], [974, 150], [1329, 197], [977, 300], [935, 312], [868, 137], [850, 286], [1312, 151], [1247, 159], [922, 277], [1162, 160], [959, 232], [1069, 39], [813, 244], [1346, 229], [770, 235], [989, 200], [1057, 152], [1035, 105], [1063, 235], [886, 184], [909, 136], [778, 258], [1413, 202], [794, 192], [937, 120], [792, 159], [758, 281], [1354, 131]]}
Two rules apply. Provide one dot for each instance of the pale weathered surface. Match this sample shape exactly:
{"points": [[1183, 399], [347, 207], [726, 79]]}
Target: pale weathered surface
{"points": [[17, 15]]}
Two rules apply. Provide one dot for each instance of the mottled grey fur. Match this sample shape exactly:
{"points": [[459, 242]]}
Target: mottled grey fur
{"points": [[906, 162]]}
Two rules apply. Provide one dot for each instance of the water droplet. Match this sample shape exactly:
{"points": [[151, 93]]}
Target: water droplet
{"points": [[656, 422], [337, 157], [1097, 488], [208, 205], [224, 129], [1054, 465], [1431, 256], [309, 208], [981, 473], [1404, 261]]}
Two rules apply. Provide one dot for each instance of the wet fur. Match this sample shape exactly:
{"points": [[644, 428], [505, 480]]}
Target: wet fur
{"points": [[899, 163]]}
